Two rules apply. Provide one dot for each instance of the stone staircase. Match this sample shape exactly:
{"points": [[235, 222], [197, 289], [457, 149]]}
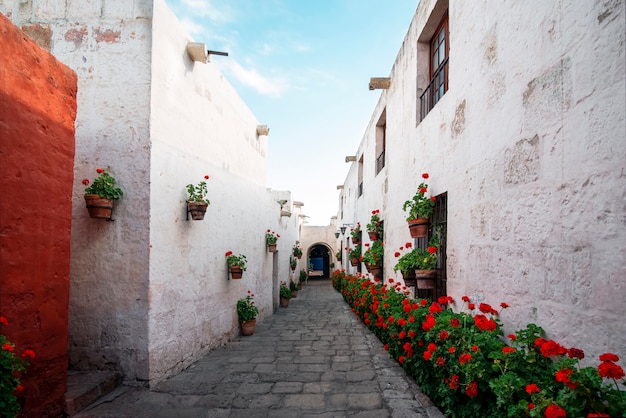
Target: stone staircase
{"points": [[86, 387]]}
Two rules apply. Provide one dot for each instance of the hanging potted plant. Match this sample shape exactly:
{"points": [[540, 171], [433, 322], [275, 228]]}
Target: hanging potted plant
{"points": [[338, 255], [247, 312], [293, 286], [99, 196], [270, 240], [355, 233], [375, 227], [373, 258], [355, 255], [297, 252], [236, 264], [292, 263], [285, 295], [419, 209], [197, 202], [426, 264], [407, 264]]}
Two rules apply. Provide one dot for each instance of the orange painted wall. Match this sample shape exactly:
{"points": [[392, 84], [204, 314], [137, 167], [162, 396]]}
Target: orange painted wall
{"points": [[37, 112]]}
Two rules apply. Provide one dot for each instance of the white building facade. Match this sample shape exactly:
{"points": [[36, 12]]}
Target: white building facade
{"points": [[517, 113], [150, 292]]}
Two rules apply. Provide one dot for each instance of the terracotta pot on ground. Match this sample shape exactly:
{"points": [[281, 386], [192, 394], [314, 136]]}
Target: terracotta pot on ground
{"points": [[99, 207], [271, 248], [418, 227], [236, 272], [197, 210], [284, 302], [247, 327], [294, 294], [426, 278]]}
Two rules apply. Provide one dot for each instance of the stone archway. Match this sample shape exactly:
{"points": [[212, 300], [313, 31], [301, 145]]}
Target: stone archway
{"points": [[319, 258]]}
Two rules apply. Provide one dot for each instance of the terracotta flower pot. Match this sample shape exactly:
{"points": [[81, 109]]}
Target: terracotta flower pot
{"points": [[426, 279], [271, 248], [284, 302], [247, 327], [354, 261], [197, 210], [99, 207], [236, 272], [409, 278], [418, 227], [375, 269]]}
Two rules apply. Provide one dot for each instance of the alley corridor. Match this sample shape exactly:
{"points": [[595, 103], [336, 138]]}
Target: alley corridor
{"points": [[312, 359]]}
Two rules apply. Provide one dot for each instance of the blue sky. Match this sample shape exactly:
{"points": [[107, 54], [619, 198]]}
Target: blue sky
{"points": [[303, 68]]}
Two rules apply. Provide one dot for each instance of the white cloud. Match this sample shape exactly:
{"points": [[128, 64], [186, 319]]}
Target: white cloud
{"points": [[273, 87], [206, 9]]}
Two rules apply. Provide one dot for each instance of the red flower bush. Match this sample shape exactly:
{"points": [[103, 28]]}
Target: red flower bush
{"points": [[469, 370]]}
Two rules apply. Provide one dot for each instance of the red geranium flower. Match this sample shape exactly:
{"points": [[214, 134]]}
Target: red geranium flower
{"points": [[472, 389], [7, 347], [454, 382], [532, 388], [440, 361], [465, 299], [504, 305], [508, 350], [562, 376], [423, 190], [28, 353], [610, 370], [575, 353], [432, 250], [427, 355], [425, 175], [552, 348], [555, 411], [4, 321], [455, 322], [206, 177], [451, 350], [85, 181], [465, 358], [471, 306], [99, 170], [609, 357]]}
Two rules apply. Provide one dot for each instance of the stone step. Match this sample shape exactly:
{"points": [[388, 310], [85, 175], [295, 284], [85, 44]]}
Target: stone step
{"points": [[86, 387]]}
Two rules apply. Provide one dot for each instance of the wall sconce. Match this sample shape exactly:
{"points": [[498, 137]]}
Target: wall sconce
{"points": [[197, 52], [262, 130], [343, 228], [340, 187], [285, 213], [337, 234], [350, 158], [298, 204], [379, 83]]}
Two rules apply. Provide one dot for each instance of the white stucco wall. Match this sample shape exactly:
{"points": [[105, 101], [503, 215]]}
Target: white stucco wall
{"points": [[150, 291], [109, 48], [528, 142]]}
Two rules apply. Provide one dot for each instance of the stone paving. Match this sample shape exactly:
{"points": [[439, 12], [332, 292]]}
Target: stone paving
{"points": [[312, 359]]}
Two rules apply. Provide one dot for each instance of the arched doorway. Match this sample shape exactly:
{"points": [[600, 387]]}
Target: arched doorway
{"points": [[319, 261]]}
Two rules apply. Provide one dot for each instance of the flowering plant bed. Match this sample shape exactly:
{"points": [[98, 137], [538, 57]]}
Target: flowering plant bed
{"points": [[11, 367], [462, 361]]}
